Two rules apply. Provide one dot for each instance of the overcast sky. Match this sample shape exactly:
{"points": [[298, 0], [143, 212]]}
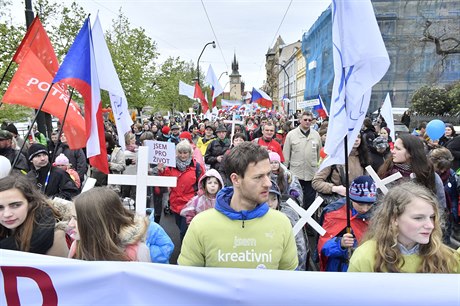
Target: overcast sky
{"points": [[181, 28]]}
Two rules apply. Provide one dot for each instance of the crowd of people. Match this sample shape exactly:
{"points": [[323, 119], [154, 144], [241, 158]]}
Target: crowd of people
{"points": [[236, 183]]}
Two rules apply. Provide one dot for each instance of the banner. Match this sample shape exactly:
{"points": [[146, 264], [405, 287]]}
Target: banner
{"points": [[161, 152], [31, 279]]}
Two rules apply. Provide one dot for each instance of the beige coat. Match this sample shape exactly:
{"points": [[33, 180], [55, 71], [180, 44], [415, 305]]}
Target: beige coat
{"points": [[301, 154], [320, 184]]}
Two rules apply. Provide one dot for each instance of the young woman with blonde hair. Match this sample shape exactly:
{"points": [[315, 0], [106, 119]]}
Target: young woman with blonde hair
{"points": [[405, 236]]}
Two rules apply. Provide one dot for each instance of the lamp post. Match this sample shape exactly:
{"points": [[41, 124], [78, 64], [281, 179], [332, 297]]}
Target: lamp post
{"points": [[213, 43], [287, 75], [225, 72]]}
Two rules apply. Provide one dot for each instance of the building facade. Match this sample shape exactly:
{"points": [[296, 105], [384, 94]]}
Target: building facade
{"points": [[409, 29]]}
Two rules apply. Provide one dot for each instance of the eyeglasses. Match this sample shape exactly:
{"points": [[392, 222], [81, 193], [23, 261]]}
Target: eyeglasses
{"points": [[307, 120]]}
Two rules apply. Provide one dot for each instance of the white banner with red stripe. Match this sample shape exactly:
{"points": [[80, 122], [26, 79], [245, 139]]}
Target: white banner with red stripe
{"points": [[30, 279]]}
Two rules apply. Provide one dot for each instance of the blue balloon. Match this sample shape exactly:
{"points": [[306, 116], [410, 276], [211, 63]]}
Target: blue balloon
{"points": [[435, 129]]}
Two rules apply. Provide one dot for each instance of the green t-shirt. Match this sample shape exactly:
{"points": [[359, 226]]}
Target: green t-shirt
{"points": [[214, 240], [363, 259]]}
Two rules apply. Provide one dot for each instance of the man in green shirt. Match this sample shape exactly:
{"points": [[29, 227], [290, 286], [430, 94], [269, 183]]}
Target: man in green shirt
{"points": [[242, 231]]}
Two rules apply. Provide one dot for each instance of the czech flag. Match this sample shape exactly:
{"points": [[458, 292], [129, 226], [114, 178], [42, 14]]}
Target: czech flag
{"points": [[79, 71], [321, 109], [261, 98]]}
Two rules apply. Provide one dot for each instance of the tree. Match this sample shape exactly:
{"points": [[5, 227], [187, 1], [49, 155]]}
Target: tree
{"points": [[433, 101], [133, 54], [167, 85]]}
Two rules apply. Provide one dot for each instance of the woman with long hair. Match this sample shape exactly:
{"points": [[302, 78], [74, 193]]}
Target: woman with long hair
{"points": [[405, 236], [409, 159], [103, 229], [28, 220]]}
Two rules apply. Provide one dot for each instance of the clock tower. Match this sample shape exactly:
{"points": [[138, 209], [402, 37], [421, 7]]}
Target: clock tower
{"points": [[235, 81]]}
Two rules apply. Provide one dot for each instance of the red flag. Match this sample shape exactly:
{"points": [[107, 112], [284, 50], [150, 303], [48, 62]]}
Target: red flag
{"points": [[199, 94], [37, 41], [32, 80]]}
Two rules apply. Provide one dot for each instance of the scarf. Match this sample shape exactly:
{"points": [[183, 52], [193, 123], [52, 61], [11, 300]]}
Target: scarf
{"points": [[404, 169], [182, 165]]}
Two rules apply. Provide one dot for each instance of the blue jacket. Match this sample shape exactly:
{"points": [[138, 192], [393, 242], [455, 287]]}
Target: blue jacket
{"points": [[159, 243], [223, 199]]}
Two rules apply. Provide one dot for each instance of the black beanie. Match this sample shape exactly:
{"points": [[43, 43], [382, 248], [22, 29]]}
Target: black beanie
{"points": [[12, 129], [35, 149]]}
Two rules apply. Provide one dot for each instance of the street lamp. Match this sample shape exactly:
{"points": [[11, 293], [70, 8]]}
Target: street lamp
{"points": [[225, 72], [213, 43], [284, 69]]}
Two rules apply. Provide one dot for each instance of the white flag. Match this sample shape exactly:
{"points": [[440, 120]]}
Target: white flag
{"points": [[186, 90], [360, 61], [109, 81], [387, 113], [212, 80]]}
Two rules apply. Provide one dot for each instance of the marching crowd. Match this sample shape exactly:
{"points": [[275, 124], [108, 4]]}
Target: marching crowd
{"points": [[237, 182]]}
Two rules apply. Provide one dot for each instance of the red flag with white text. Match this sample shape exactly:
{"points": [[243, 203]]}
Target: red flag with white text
{"points": [[37, 66]]}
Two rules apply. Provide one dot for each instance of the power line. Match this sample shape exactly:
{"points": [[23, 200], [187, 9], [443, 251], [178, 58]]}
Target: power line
{"points": [[276, 33], [117, 14], [281, 23], [214, 33]]}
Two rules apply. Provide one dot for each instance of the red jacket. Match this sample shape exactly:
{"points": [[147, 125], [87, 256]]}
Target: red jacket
{"points": [[272, 145], [184, 191], [335, 221]]}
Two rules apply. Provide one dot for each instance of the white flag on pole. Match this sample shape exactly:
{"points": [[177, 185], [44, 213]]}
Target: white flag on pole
{"points": [[186, 90], [110, 82], [387, 113], [360, 61], [212, 80]]}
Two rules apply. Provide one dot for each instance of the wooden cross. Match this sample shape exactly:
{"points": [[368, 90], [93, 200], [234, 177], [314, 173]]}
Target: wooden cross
{"points": [[305, 216], [381, 183], [142, 180], [233, 122]]}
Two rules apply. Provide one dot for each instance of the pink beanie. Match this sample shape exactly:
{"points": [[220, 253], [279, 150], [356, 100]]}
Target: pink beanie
{"points": [[61, 160], [273, 156]]}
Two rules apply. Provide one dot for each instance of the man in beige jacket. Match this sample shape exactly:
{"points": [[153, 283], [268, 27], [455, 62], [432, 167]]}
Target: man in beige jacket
{"points": [[301, 153]]}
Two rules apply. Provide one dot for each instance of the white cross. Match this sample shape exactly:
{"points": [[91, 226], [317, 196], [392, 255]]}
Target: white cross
{"points": [[191, 113], [233, 122], [305, 216], [142, 180], [292, 120], [381, 183]]}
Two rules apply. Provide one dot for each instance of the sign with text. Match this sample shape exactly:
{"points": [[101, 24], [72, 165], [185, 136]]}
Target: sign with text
{"points": [[161, 152], [307, 103]]}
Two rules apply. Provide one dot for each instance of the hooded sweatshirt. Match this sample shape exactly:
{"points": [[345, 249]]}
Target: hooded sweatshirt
{"points": [[202, 201], [222, 237]]}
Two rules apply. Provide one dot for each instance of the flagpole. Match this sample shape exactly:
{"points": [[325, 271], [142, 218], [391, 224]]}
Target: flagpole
{"points": [[30, 128], [62, 125], [347, 192]]}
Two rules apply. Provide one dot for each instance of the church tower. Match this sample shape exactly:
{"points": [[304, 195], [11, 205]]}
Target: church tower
{"points": [[235, 81]]}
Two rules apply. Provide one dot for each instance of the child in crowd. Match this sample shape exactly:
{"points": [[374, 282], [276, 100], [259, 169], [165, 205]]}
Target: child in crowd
{"points": [[210, 183], [301, 238], [334, 246], [288, 183], [63, 162]]}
